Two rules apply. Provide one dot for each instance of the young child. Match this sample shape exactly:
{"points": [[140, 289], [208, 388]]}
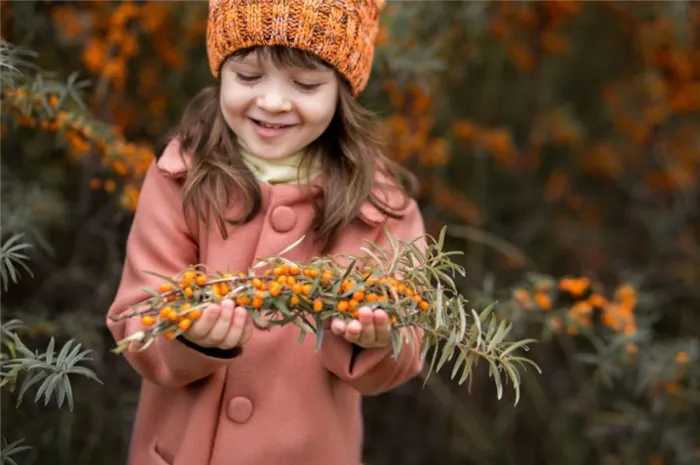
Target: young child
{"points": [[278, 149]]}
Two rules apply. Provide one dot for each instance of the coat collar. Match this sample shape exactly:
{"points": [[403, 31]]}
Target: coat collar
{"points": [[174, 164]]}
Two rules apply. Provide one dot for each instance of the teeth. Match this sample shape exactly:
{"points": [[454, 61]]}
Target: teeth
{"points": [[272, 126]]}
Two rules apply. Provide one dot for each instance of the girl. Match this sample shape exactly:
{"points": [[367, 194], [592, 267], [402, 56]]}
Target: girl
{"points": [[278, 149]]}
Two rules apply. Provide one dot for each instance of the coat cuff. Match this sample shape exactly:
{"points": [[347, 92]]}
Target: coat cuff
{"points": [[370, 371], [185, 363]]}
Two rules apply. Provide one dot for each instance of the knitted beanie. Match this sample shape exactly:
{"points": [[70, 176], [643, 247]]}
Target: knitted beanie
{"points": [[341, 32]]}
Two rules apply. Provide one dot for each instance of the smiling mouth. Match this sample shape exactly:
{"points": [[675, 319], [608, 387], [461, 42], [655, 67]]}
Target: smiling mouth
{"points": [[270, 126]]}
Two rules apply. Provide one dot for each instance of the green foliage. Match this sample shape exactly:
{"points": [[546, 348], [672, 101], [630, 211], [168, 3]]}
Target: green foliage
{"points": [[21, 368]]}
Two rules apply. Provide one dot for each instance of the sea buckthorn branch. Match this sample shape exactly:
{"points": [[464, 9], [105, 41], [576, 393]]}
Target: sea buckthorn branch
{"points": [[39, 99], [415, 286]]}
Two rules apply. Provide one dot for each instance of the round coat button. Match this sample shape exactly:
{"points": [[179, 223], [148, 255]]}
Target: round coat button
{"points": [[240, 409], [283, 218]]}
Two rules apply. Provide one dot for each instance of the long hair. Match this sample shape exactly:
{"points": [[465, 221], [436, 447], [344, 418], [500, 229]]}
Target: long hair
{"points": [[352, 154]]}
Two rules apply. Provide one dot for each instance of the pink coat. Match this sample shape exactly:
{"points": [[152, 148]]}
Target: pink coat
{"points": [[278, 402]]}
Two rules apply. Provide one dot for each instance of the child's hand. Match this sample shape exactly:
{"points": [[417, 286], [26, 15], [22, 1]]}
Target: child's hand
{"points": [[221, 326], [371, 329]]}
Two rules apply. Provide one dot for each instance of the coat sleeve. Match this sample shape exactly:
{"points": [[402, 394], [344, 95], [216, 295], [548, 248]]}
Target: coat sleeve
{"points": [[375, 371], [159, 242]]}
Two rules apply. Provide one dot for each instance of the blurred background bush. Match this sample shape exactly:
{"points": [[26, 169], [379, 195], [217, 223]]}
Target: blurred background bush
{"points": [[558, 140]]}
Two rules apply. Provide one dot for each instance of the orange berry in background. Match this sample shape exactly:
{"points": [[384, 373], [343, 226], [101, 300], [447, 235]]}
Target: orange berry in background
{"points": [[170, 335], [185, 324], [393, 319], [148, 320]]}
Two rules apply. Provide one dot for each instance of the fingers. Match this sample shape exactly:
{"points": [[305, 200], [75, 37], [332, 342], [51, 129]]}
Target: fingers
{"points": [[235, 332], [370, 329], [201, 327], [220, 329]]}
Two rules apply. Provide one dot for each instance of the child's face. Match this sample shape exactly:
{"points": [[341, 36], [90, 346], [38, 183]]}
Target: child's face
{"points": [[276, 112]]}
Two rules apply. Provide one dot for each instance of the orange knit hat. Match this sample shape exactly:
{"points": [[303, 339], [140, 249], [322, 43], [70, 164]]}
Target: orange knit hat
{"points": [[341, 32]]}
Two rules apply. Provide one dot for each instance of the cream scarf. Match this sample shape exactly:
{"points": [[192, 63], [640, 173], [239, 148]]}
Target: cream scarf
{"points": [[283, 171]]}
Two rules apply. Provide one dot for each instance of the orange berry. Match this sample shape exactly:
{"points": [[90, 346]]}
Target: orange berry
{"points": [[294, 269], [242, 299], [201, 280], [327, 275], [342, 305], [294, 300], [318, 305], [297, 288], [282, 279], [165, 311], [188, 292], [185, 306], [313, 273], [383, 298], [371, 298], [257, 284], [148, 320], [195, 314], [185, 324], [257, 302], [170, 335], [355, 314], [353, 304], [306, 290], [277, 271], [418, 299], [291, 281], [285, 269], [393, 319], [358, 295], [188, 277], [166, 287], [173, 315], [224, 289], [424, 305], [275, 289]]}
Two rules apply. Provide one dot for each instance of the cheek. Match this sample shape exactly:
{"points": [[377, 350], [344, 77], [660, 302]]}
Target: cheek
{"points": [[322, 111]]}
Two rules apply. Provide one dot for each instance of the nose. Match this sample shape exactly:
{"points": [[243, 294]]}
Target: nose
{"points": [[274, 101]]}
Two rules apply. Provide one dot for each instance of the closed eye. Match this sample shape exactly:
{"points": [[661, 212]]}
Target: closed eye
{"points": [[307, 86], [246, 78]]}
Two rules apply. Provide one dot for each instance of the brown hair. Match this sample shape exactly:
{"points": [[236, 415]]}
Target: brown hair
{"points": [[217, 175]]}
